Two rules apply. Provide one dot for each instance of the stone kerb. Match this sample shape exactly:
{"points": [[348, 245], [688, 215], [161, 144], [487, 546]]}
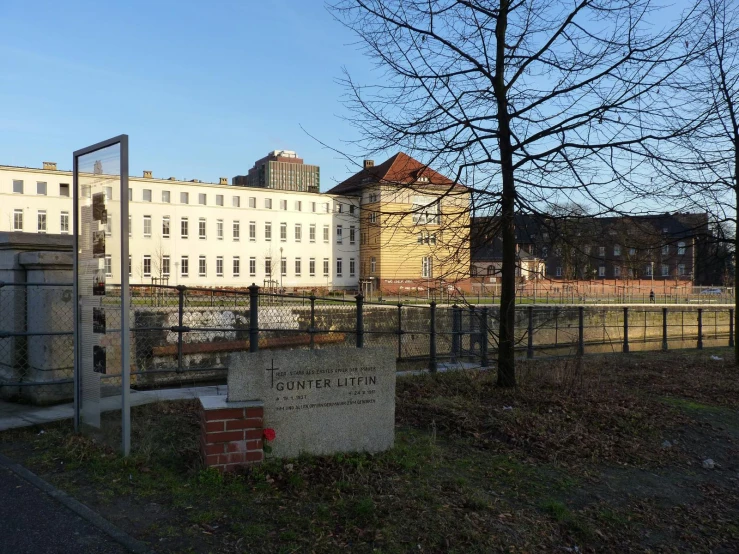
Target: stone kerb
{"points": [[231, 432]]}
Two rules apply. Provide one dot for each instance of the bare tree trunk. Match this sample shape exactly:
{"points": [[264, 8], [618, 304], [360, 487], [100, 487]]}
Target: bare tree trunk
{"points": [[736, 252], [506, 360]]}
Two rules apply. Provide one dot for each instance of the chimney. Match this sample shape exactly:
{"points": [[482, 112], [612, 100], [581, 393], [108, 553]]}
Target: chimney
{"points": [[223, 181], [50, 165], [147, 174], [369, 163]]}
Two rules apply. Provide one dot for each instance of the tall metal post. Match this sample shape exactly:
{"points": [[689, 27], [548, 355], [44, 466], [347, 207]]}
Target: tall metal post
{"points": [[432, 337], [180, 318], [399, 330], [664, 329], [626, 330], [700, 328], [253, 318], [530, 346], [360, 321], [312, 329], [731, 327], [456, 324], [484, 337], [580, 331]]}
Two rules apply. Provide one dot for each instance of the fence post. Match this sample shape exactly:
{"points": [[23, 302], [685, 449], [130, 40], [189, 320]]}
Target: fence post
{"points": [[360, 321], [180, 316], [731, 327], [664, 328], [399, 330], [626, 330], [473, 329], [455, 332], [700, 328], [580, 331], [530, 346], [432, 337], [312, 329], [253, 318], [484, 336]]}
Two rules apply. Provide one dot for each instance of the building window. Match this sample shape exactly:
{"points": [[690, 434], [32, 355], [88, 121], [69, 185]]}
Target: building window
{"points": [[601, 251], [312, 232], [252, 202], [41, 226], [147, 225], [298, 206], [236, 230], [109, 193], [681, 248], [283, 232], [325, 233], [165, 196], [666, 250], [130, 265], [219, 200], [165, 227], [147, 266], [559, 272], [298, 232], [184, 229], [184, 198], [312, 267], [425, 210], [373, 264], [665, 270], [252, 267], [146, 195], [252, 231], [632, 251], [202, 269], [236, 201], [64, 190], [313, 207], [648, 270], [283, 266], [586, 250], [185, 266], [64, 223], [325, 267], [325, 207], [681, 270], [268, 231], [109, 224], [130, 225], [165, 266], [18, 187], [616, 271], [426, 267], [616, 250], [373, 217], [41, 188], [339, 265], [268, 203], [339, 231], [298, 265], [201, 228], [268, 267], [339, 207], [130, 195], [352, 267], [108, 265], [352, 234], [602, 271], [283, 204], [202, 200]]}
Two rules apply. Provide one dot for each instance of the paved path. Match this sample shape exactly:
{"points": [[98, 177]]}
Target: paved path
{"points": [[34, 523], [14, 415]]}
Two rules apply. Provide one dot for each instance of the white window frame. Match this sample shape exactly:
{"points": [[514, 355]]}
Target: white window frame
{"points": [[298, 232], [312, 267], [236, 230], [339, 267], [202, 266], [108, 265], [202, 228], [17, 186], [236, 266], [252, 266], [41, 188], [202, 199], [339, 234], [298, 266], [146, 258], [41, 221], [147, 226], [268, 231], [312, 232], [64, 223], [166, 220], [352, 267], [166, 197], [184, 197], [146, 195], [184, 266], [184, 228], [166, 265], [326, 266], [236, 202], [219, 200]]}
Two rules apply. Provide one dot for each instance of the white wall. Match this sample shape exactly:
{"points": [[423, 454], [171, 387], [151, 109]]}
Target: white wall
{"points": [[157, 246]]}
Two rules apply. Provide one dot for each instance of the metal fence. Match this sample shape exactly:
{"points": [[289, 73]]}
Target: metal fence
{"points": [[182, 334]]}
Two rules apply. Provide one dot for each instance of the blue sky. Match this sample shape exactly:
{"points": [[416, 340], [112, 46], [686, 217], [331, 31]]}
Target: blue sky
{"points": [[203, 89]]}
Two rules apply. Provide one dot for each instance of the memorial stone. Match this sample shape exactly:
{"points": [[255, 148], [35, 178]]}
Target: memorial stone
{"points": [[320, 401]]}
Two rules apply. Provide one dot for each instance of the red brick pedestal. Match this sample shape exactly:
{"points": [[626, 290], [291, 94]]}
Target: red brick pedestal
{"points": [[231, 433]]}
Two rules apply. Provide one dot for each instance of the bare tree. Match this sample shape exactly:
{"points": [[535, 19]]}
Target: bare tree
{"points": [[701, 169], [530, 103]]}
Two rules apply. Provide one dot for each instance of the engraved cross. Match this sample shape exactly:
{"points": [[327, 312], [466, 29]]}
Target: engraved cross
{"points": [[272, 371]]}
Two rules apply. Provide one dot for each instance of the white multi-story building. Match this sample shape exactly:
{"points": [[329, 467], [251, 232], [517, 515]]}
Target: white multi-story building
{"points": [[203, 234]]}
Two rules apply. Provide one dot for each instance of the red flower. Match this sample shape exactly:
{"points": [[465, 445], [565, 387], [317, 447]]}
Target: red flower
{"points": [[269, 435]]}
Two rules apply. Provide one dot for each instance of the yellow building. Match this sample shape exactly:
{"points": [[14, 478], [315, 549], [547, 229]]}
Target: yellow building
{"points": [[414, 227]]}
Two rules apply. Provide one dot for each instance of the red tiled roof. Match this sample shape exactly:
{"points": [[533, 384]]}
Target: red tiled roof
{"points": [[401, 169]]}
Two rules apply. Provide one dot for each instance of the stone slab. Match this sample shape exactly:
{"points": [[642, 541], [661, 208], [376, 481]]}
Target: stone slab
{"points": [[320, 401]]}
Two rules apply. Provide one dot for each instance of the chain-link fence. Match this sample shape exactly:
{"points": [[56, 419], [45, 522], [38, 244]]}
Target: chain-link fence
{"points": [[183, 335]]}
